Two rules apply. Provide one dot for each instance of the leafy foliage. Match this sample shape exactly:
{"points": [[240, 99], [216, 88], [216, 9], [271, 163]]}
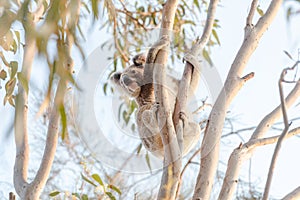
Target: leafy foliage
{"points": [[95, 181]]}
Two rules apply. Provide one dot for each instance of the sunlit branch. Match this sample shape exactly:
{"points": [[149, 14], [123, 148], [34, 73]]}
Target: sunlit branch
{"points": [[282, 136]]}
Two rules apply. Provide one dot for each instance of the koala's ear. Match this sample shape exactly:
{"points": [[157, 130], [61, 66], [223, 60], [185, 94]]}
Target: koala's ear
{"points": [[139, 59]]}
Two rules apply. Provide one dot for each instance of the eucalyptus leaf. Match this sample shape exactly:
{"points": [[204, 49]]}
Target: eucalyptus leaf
{"points": [[115, 189], [63, 118], [14, 68], [3, 74], [53, 194], [148, 161], [110, 195], [97, 178], [88, 181], [84, 197], [260, 11]]}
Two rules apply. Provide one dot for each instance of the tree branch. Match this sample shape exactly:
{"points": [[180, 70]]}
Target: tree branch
{"points": [[270, 119], [233, 83], [191, 75], [270, 140], [33, 190], [237, 158], [172, 157], [282, 136], [295, 194], [244, 152], [210, 20], [183, 170], [21, 110], [251, 13]]}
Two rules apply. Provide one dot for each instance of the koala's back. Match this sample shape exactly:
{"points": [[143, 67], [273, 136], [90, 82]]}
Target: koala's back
{"points": [[148, 130]]}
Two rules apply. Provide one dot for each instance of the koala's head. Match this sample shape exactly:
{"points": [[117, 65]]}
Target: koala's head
{"points": [[131, 79]]}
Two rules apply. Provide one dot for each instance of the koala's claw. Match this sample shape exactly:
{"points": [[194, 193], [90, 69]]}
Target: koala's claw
{"points": [[190, 58], [163, 42], [155, 107], [183, 116]]}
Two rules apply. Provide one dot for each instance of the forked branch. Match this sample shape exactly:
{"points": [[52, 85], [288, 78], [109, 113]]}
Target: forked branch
{"points": [[282, 136], [245, 151], [233, 83]]}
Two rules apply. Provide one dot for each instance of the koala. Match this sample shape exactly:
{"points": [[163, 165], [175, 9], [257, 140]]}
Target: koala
{"points": [[132, 82]]}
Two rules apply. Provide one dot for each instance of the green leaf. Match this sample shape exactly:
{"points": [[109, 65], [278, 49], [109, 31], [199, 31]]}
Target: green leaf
{"points": [[80, 31], [85, 6], [115, 189], [10, 86], [84, 197], [119, 112], [196, 2], [288, 13], [11, 101], [148, 161], [110, 195], [97, 178], [76, 195], [133, 105], [207, 57], [5, 100], [23, 81], [14, 68], [105, 88], [63, 121], [133, 127], [260, 11], [190, 22], [53, 194], [17, 33], [3, 74], [95, 9], [141, 9], [216, 36], [139, 148], [126, 117], [87, 180], [14, 47]]}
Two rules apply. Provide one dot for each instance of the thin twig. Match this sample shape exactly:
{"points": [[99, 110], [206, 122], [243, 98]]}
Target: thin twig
{"points": [[270, 140], [184, 169], [203, 106], [282, 136], [210, 20]]}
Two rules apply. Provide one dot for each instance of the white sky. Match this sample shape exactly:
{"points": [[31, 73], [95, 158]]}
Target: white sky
{"points": [[258, 97]]}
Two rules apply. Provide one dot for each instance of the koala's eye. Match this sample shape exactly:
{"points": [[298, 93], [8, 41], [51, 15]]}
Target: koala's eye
{"points": [[134, 71]]}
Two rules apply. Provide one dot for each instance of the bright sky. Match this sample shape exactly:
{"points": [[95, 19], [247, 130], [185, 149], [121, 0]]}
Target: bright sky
{"points": [[258, 97]]}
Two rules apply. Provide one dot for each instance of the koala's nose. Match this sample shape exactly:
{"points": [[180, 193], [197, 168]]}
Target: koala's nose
{"points": [[116, 76], [126, 80]]}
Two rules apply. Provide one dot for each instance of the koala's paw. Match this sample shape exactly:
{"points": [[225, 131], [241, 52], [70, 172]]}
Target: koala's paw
{"points": [[139, 59], [183, 116], [190, 58], [150, 122], [155, 107], [162, 43]]}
